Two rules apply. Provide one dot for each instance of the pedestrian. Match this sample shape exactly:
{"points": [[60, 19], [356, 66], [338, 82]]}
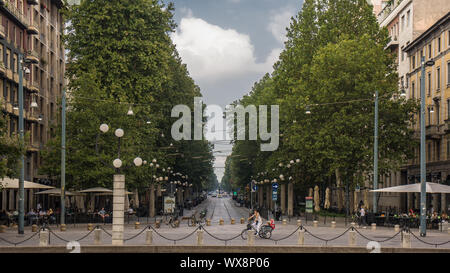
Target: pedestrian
{"points": [[363, 216]]}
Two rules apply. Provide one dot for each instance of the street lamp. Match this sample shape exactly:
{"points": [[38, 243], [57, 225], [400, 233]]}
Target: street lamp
{"points": [[423, 185]]}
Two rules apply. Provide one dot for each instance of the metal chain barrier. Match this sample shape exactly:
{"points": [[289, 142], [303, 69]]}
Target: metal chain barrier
{"points": [[134, 236], [326, 240], [427, 243], [174, 240], [220, 239], [378, 241], [284, 238], [64, 240], [104, 230], [21, 242]]}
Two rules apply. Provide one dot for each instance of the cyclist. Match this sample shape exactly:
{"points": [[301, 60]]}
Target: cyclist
{"points": [[257, 221]]}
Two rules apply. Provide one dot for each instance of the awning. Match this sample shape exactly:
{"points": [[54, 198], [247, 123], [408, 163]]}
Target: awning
{"points": [[96, 190], [55, 192], [8, 183], [430, 188]]}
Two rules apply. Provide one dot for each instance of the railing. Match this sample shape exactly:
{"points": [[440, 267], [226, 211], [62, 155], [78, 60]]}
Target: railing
{"points": [[388, 10], [16, 12]]}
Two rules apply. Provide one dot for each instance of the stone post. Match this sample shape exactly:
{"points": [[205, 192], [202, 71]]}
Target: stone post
{"points": [[284, 222], [63, 227], [43, 238], [301, 237], [352, 238], [200, 237], [250, 238], [3, 228], [315, 224], [148, 237], [397, 228], [333, 224], [208, 222], [299, 223], [118, 209], [242, 220], [374, 226], [90, 226], [233, 221], [98, 236], [283, 198], [406, 242], [221, 222]]}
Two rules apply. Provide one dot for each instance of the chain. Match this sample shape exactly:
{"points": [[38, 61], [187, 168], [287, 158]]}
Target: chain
{"points": [[174, 240], [327, 240], [284, 238], [220, 239], [433, 244], [21, 242], [379, 241], [134, 236]]}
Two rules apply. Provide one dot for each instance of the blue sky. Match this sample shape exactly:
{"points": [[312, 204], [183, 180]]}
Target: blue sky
{"points": [[228, 45]]}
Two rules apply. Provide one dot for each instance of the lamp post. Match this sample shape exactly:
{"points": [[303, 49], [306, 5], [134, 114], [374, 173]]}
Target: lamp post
{"points": [[423, 193], [63, 157], [118, 190], [375, 156], [21, 137]]}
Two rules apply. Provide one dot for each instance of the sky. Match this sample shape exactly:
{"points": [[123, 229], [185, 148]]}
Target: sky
{"points": [[228, 45]]}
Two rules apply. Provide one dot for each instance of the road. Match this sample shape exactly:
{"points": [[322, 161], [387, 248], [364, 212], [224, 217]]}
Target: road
{"points": [[221, 208]]}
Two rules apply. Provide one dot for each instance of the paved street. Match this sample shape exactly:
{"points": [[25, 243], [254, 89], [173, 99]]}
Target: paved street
{"points": [[226, 208]]}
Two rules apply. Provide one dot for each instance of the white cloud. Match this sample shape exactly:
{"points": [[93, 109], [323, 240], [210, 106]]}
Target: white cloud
{"points": [[212, 52], [278, 22]]}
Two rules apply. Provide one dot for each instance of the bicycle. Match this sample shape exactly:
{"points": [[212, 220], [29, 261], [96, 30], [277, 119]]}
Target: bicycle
{"points": [[265, 231], [193, 220], [170, 219]]}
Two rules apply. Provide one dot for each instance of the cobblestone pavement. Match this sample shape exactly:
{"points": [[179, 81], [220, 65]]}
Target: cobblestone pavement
{"points": [[225, 208]]}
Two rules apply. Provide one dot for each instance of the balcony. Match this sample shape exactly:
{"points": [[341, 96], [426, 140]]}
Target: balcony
{"points": [[32, 56], [2, 67], [388, 9], [33, 28], [15, 13], [33, 2], [2, 32], [34, 87], [393, 44], [434, 132]]}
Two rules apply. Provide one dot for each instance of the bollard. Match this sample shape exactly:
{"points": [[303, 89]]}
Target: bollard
{"points": [[34, 228], [63, 227], [333, 224], [200, 237], [177, 223], [149, 237], [97, 236], [406, 242], [242, 220], [374, 226], [137, 225], [352, 238], [299, 223], [284, 222], [353, 224], [232, 221], [90, 227], [43, 238], [221, 222], [3, 228], [208, 222], [444, 226], [301, 237], [397, 228], [250, 238], [315, 223], [448, 230], [158, 224]]}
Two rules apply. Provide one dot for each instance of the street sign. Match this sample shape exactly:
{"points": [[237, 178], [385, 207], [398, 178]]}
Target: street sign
{"points": [[169, 204], [274, 195], [275, 186], [254, 188]]}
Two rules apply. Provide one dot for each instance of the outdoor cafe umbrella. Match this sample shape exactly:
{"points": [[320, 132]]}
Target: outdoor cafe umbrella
{"points": [[327, 199], [430, 188], [55, 192], [316, 199], [8, 183], [97, 190]]}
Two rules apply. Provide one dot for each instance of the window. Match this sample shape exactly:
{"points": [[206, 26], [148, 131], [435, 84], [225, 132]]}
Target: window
{"points": [[403, 23], [413, 61], [429, 151], [448, 149], [413, 91], [438, 78], [8, 53], [448, 109], [407, 17], [429, 116], [438, 150], [15, 65], [403, 56], [429, 51], [439, 44], [429, 83], [448, 73]]}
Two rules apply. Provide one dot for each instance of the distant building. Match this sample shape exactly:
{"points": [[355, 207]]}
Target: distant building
{"points": [[32, 28], [433, 44]]}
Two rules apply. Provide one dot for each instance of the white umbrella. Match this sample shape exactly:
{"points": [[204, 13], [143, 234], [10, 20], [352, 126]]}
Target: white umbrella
{"points": [[55, 192], [8, 183], [97, 190], [430, 188]]}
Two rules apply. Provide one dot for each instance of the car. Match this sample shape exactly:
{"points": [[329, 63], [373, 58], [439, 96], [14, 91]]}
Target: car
{"points": [[214, 195]]}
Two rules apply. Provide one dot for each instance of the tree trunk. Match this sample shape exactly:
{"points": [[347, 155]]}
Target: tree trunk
{"points": [[283, 198], [340, 191], [152, 200]]}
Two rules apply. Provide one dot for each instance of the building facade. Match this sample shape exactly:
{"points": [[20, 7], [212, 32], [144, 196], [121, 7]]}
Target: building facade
{"points": [[434, 45], [33, 29], [405, 21]]}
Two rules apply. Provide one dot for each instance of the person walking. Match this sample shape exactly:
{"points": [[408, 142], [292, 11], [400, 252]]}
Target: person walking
{"points": [[363, 216]]}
